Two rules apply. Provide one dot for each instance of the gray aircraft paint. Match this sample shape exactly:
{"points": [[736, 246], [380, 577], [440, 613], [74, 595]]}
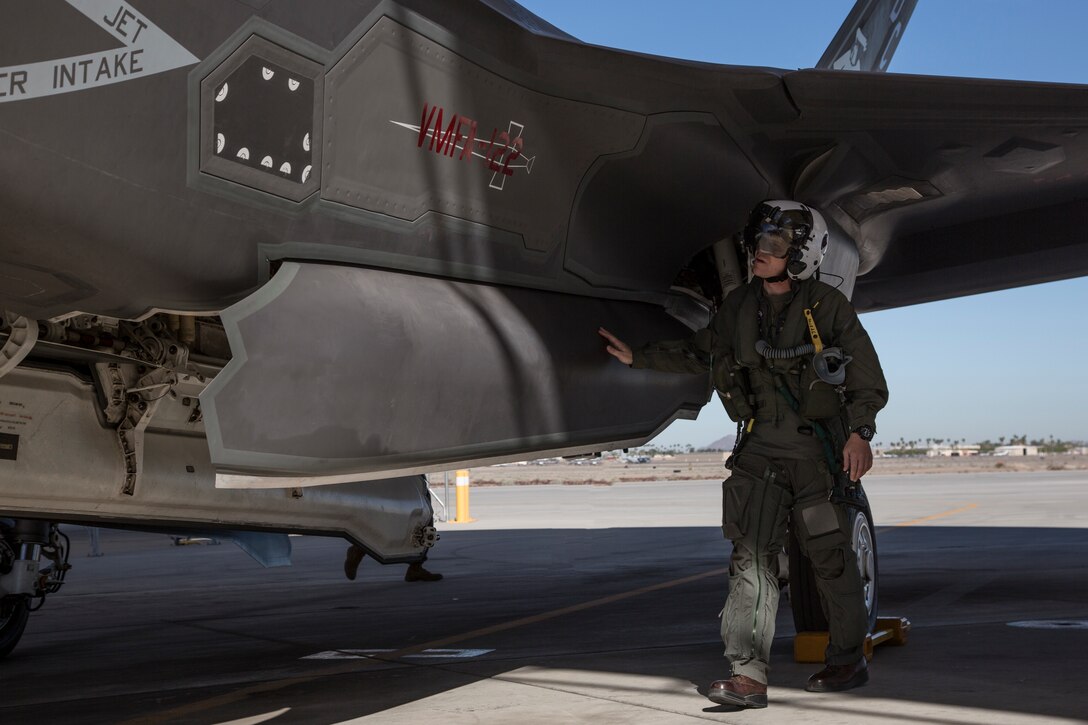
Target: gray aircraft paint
{"points": [[638, 164], [178, 495], [486, 373], [147, 50], [869, 36]]}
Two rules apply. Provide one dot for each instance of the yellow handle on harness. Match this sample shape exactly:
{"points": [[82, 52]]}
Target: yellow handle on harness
{"points": [[813, 332]]}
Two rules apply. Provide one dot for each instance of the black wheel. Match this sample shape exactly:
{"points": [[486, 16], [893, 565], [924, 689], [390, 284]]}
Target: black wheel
{"points": [[13, 616], [808, 612]]}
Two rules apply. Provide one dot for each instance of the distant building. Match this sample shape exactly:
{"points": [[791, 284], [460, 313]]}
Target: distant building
{"points": [[1017, 450], [952, 451]]}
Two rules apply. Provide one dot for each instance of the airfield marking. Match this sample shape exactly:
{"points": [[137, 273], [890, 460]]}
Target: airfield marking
{"points": [[360, 665], [1051, 624], [941, 515], [427, 654]]}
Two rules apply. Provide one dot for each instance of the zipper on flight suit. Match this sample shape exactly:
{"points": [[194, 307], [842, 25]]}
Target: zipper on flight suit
{"points": [[768, 481]]}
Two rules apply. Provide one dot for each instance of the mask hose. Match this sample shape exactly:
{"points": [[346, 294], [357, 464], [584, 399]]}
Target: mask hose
{"points": [[783, 353]]}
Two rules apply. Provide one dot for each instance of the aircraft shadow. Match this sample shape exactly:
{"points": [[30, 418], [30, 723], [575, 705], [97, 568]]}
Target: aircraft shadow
{"points": [[571, 616]]}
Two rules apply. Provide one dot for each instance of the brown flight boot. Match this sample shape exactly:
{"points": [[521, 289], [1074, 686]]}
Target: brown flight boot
{"points": [[836, 678], [416, 573], [739, 690], [352, 560]]}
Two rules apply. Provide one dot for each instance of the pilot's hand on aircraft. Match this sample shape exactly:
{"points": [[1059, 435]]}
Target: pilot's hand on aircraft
{"points": [[857, 457], [616, 347]]}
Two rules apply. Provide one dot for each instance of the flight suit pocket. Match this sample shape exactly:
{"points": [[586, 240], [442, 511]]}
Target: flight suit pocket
{"points": [[736, 495], [818, 399], [820, 527], [729, 381], [820, 519]]}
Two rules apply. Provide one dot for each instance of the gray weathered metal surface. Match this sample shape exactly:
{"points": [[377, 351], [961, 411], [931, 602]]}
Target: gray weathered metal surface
{"points": [[566, 186], [69, 468], [106, 210], [362, 372]]}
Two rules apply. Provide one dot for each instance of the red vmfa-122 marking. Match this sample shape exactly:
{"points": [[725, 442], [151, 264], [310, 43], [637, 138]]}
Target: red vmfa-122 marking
{"points": [[445, 138]]}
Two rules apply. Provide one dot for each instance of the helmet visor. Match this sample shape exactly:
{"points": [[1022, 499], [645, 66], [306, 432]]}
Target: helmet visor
{"points": [[783, 226], [772, 243]]}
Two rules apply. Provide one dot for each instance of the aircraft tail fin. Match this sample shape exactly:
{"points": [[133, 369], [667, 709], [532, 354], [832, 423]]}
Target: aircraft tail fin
{"points": [[869, 36]]}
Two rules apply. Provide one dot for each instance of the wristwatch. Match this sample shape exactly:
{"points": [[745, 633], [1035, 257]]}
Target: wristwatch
{"points": [[865, 432]]}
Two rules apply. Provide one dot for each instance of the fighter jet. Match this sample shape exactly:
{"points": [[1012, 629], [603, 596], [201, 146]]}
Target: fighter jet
{"points": [[264, 263]]}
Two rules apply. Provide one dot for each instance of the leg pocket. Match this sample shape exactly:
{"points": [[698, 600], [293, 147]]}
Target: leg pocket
{"points": [[752, 498], [820, 532], [821, 519], [736, 498]]}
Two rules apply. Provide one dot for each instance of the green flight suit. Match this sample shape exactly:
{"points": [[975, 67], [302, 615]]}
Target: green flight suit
{"points": [[782, 467]]}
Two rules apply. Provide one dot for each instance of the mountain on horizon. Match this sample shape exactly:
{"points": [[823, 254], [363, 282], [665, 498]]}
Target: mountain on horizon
{"points": [[724, 443]]}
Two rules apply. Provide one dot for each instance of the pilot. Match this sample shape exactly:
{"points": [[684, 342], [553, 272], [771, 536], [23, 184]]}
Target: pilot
{"points": [[789, 385]]}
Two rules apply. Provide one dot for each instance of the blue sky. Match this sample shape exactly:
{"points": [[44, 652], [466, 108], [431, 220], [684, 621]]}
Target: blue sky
{"points": [[1004, 363]]}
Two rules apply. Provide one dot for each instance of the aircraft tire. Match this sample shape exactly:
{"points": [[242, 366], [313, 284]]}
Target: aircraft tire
{"points": [[808, 613], [13, 618]]}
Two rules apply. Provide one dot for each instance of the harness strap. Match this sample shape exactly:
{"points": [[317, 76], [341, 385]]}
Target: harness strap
{"points": [[843, 492]]}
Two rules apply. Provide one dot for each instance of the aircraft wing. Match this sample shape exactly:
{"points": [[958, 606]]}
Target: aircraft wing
{"points": [[949, 186]]}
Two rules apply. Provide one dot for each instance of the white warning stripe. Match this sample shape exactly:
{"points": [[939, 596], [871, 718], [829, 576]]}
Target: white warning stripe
{"points": [[427, 654], [1051, 624], [147, 50]]}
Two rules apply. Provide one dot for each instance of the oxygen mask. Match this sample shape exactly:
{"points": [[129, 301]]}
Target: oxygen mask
{"points": [[830, 365], [772, 243]]}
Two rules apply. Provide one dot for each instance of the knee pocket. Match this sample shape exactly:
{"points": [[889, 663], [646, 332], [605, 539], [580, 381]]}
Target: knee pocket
{"points": [[844, 579], [819, 526], [828, 564], [819, 520]]}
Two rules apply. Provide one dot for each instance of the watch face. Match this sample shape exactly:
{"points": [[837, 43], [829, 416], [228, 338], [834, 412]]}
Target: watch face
{"points": [[865, 432]]}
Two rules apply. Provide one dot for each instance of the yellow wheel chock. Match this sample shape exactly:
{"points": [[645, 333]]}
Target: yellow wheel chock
{"points": [[810, 646]]}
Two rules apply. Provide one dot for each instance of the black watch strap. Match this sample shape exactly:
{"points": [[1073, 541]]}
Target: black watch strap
{"points": [[865, 432]]}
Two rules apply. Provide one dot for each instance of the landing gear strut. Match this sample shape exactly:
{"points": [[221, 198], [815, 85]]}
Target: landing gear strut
{"points": [[24, 583]]}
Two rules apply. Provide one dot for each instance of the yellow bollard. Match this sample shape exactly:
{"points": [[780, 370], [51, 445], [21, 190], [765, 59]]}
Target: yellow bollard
{"points": [[462, 499]]}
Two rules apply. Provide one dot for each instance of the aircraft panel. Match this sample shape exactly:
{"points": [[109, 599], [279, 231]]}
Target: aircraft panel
{"points": [[345, 370], [65, 466], [412, 127]]}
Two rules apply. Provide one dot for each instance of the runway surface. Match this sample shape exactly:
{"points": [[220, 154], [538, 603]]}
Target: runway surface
{"points": [[566, 604]]}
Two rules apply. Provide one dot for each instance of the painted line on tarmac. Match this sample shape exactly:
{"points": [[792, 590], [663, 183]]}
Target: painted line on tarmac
{"points": [[1051, 624], [427, 654], [931, 517], [361, 665]]}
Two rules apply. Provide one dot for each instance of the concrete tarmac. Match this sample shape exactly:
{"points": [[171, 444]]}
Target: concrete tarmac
{"points": [[567, 604]]}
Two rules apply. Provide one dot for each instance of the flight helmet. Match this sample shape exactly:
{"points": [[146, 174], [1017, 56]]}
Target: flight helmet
{"points": [[790, 230]]}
